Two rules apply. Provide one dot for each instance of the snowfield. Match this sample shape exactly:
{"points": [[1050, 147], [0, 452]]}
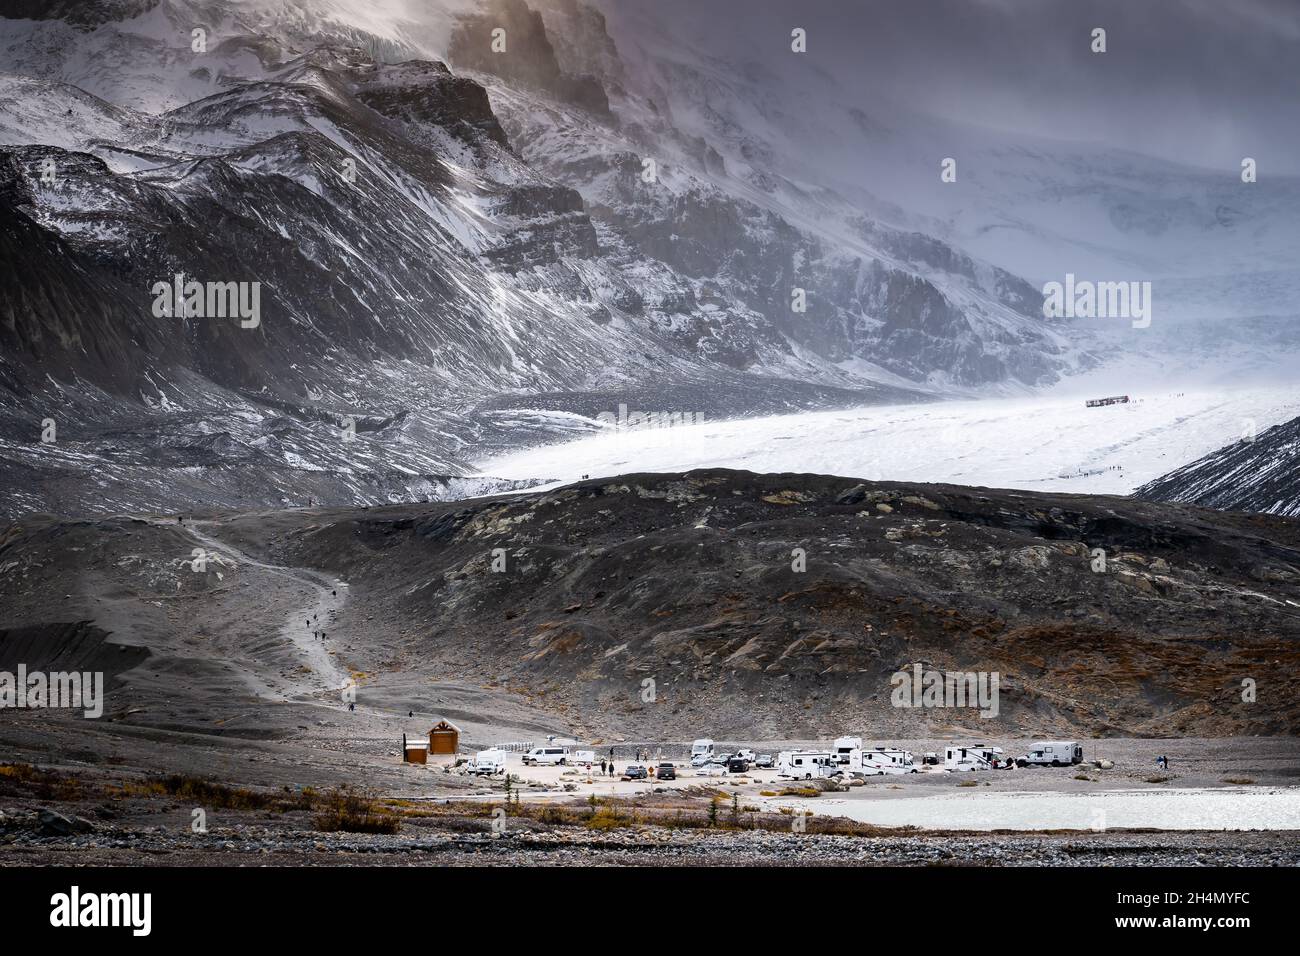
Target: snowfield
{"points": [[1044, 443]]}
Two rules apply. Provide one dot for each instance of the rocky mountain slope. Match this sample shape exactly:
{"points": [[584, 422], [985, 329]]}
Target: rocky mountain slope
{"points": [[424, 242], [460, 250], [1258, 473], [568, 606]]}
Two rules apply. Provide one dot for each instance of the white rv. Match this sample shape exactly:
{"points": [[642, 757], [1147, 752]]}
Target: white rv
{"points": [[881, 760], [487, 763], [701, 752], [806, 764], [844, 746], [1055, 753], [973, 757]]}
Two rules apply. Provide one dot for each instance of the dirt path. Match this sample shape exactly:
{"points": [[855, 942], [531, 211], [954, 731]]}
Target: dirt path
{"points": [[302, 624]]}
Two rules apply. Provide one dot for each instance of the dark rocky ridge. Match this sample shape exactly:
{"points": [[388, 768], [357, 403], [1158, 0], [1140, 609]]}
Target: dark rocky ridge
{"points": [[687, 580], [1261, 473]]}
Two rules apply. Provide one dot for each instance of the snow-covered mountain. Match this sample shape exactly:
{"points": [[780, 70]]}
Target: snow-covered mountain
{"points": [[1033, 204], [456, 248]]}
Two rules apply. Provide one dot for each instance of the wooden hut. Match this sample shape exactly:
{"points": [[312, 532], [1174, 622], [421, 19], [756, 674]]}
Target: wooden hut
{"points": [[444, 738], [414, 751]]}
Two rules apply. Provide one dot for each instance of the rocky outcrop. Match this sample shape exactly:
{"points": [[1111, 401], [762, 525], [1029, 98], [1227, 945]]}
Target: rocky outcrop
{"points": [[522, 54], [1258, 473]]}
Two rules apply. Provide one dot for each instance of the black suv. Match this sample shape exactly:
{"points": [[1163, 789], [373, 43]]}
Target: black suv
{"points": [[737, 765]]}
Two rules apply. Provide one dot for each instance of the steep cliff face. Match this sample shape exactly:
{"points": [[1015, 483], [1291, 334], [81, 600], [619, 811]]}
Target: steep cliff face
{"points": [[510, 40], [748, 238]]}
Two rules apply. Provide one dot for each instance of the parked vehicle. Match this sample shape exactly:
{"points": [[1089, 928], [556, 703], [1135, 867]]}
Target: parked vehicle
{"points": [[666, 771], [701, 751], [879, 761], [635, 772], [930, 759], [844, 746], [764, 761], [974, 757], [1055, 753], [737, 764], [583, 757], [806, 764], [487, 763], [711, 770], [547, 756], [746, 755]]}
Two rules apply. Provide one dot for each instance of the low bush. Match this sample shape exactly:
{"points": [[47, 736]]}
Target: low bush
{"points": [[348, 811]]}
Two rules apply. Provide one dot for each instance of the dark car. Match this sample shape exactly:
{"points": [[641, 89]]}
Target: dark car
{"points": [[635, 772], [737, 765], [666, 771]]}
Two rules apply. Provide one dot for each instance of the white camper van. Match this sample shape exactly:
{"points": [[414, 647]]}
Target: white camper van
{"points": [[1054, 753], [973, 757], [806, 764], [488, 763], [544, 756], [701, 752], [881, 760], [844, 746]]}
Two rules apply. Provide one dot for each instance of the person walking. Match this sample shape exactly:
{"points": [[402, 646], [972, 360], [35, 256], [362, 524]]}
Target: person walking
{"points": [[602, 766]]}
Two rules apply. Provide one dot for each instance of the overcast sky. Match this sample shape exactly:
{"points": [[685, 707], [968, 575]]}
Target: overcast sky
{"points": [[1203, 82]]}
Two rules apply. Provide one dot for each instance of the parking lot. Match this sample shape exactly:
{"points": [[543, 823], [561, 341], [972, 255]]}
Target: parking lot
{"points": [[551, 782]]}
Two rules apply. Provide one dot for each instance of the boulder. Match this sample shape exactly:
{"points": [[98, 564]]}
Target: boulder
{"points": [[56, 824]]}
